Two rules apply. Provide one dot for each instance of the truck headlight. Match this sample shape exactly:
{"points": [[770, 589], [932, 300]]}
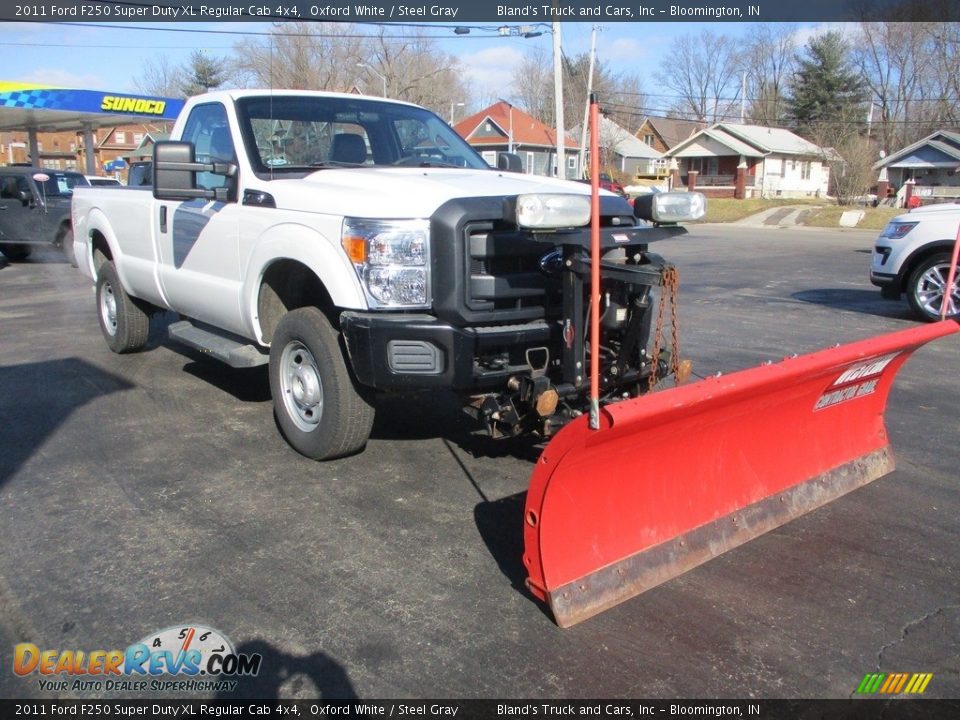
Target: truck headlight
{"points": [[896, 230], [552, 210], [670, 207], [392, 260]]}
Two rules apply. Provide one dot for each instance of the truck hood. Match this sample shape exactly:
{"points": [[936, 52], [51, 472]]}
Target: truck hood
{"points": [[404, 192]]}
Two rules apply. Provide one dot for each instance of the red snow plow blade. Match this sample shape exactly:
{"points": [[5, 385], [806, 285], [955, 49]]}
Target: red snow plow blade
{"points": [[675, 478]]}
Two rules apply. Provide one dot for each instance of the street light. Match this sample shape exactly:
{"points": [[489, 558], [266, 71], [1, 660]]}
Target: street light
{"points": [[452, 106], [368, 67]]}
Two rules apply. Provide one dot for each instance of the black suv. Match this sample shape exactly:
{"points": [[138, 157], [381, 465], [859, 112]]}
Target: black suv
{"points": [[35, 209]]}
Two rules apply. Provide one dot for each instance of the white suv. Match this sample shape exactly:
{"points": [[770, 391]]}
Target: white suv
{"points": [[912, 256]]}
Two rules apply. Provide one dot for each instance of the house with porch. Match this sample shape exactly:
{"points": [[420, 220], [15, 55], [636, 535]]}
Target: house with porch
{"points": [[931, 166], [501, 127], [774, 162], [624, 153], [663, 133]]}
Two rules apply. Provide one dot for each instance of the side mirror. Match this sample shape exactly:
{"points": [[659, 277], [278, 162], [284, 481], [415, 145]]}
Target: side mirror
{"points": [[175, 173], [510, 162]]}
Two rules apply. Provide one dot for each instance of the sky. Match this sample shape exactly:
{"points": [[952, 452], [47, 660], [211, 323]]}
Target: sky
{"points": [[111, 57]]}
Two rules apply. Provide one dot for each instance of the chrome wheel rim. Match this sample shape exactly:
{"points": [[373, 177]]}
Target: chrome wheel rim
{"points": [[108, 308], [300, 386], [930, 288]]}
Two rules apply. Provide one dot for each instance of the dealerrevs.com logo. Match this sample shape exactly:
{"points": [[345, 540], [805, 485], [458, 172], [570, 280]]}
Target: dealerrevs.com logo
{"points": [[182, 658]]}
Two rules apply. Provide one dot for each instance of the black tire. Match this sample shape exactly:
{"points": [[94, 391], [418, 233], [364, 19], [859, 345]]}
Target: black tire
{"points": [[15, 252], [66, 244], [321, 410], [124, 322], [926, 284]]}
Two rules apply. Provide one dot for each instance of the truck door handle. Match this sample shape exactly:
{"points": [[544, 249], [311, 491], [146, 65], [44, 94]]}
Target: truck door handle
{"points": [[163, 218]]}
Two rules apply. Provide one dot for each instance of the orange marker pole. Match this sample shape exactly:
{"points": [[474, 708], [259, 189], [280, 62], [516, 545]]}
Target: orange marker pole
{"points": [[951, 276], [594, 265]]}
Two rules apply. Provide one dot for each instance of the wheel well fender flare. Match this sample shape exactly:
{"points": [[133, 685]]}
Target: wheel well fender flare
{"points": [[293, 242], [918, 256]]}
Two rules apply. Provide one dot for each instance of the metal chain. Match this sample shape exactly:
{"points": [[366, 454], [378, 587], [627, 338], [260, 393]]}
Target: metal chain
{"points": [[670, 285], [673, 282]]}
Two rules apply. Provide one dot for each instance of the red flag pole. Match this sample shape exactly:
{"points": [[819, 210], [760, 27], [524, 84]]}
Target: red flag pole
{"points": [[951, 276], [594, 265]]}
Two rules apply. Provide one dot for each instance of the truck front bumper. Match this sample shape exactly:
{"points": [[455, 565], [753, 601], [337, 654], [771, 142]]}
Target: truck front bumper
{"points": [[412, 352]]}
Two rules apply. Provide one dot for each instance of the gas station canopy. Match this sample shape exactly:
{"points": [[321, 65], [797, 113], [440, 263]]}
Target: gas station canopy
{"points": [[26, 106], [41, 108]]}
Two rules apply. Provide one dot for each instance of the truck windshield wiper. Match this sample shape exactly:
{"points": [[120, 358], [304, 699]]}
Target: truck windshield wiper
{"points": [[335, 164]]}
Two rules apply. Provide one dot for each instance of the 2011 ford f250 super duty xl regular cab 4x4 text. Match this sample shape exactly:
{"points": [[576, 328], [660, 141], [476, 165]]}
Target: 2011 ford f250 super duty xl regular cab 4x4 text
{"points": [[359, 245]]}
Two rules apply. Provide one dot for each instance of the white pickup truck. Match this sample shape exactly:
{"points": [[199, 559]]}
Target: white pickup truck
{"points": [[359, 245]]}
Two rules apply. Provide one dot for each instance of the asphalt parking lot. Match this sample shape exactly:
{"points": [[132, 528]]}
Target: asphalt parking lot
{"points": [[152, 490]]}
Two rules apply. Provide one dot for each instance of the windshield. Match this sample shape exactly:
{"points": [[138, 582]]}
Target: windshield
{"points": [[61, 183], [302, 133]]}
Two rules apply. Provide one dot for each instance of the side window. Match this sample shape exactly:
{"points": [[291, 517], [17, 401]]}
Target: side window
{"points": [[207, 128], [12, 186]]}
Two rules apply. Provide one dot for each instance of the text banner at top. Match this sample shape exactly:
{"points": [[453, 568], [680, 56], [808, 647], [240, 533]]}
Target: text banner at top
{"points": [[516, 18]]}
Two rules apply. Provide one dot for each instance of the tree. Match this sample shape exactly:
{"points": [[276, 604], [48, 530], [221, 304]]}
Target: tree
{"points": [[160, 77], [889, 56], [702, 72], [202, 74], [301, 56], [620, 94], [851, 167], [825, 90], [336, 56], [767, 63]]}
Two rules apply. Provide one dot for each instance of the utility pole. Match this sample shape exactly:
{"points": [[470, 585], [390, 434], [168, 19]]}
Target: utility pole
{"points": [[586, 111], [743, 99], [558, 98]]}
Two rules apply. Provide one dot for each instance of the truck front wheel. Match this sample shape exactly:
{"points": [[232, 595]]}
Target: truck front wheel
{"points": [[321, 410], [124, 323], [926, 287]]}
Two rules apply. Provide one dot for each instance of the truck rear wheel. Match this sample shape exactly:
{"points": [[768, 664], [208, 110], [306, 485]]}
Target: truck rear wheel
{"points": [[15, 251], [321, 410], [66, 244], [124, 323]]}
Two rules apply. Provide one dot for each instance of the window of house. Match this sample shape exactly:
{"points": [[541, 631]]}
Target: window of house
{"points": [[805, 170], [713, 166], [138, 138], [120, 137], [648, 139], [489, 157], [572, 162], [783, 166], [529, 166]]}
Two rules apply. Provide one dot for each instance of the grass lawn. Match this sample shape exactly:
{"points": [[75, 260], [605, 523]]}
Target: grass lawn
{"points": [[873, 218], [722, 210]]}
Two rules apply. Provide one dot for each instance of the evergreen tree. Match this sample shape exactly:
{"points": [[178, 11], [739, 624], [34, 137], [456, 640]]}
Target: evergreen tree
{"points": [[827, 94], [202, 74]]}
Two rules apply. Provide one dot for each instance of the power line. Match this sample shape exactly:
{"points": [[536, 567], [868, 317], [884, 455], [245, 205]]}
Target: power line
{"points": [[643, 111], [282, 33]]}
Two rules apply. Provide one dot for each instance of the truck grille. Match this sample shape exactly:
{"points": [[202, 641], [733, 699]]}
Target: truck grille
{"points": [[503, 271]]}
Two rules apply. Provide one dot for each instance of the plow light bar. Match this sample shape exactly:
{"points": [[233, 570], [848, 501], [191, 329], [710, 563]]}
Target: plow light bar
{"points": [[548, 211], [670, 207]]}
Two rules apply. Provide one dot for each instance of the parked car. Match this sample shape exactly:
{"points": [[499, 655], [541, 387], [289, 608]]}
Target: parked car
{"points": [[912, 257], [608, 183], [101, 181], [35, 209], [140, 173]]}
